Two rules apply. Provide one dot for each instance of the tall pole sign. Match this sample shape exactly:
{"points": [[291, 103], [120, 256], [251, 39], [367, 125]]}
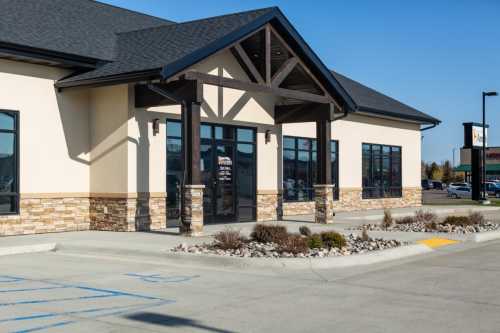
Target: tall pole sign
{"points": [[475, 139]]}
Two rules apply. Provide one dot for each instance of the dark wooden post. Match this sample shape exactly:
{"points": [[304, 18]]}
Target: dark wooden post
{"points": [[323, 190], [324, 155], [191, 114], [192, 192]]}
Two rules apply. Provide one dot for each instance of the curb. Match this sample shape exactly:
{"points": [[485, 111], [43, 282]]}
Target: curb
{"points": [[6, 251], [485, 236], [211, 260]]}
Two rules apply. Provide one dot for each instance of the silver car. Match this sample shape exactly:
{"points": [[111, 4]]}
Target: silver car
{"points": [[460, 192]]}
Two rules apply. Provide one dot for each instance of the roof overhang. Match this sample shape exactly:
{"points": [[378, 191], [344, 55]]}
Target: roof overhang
{"points": [[397, 116], [47, 57]]}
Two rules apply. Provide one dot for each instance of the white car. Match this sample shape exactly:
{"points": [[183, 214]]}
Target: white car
{"points": [[463, 192], [456, 185]]}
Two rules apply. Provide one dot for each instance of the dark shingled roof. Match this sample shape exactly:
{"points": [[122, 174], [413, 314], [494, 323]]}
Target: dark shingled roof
{"points": [[163, 46], [131, 43], [371, 101], [78, 27]]}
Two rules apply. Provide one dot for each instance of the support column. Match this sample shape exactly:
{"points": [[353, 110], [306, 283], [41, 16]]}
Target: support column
{"points": [[323, 191], [192, 192]]}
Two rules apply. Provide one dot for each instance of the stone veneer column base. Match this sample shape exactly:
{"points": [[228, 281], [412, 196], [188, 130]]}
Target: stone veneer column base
{"points": [[192, 215], [268, 205], [47, 212], [323, 198], [133, 212]]}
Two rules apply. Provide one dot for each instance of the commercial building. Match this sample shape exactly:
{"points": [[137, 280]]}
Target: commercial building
{"points": [[492, 163], [115, 120]]}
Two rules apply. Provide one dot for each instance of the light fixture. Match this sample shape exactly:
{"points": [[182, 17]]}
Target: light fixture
{"points": [[267, 136], [156, 126]]}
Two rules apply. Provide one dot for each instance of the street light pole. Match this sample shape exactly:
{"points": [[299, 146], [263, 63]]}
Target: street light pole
{"points": [[483, 155]]}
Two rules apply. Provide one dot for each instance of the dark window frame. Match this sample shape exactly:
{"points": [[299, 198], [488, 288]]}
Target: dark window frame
{"points": [[373, 186], [311, 167], [15, 131]]}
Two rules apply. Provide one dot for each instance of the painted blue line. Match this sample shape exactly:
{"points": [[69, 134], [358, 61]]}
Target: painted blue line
{"points": [[121, 309], [31, 289], [56, 300], [7, 279], [154, 278], [120, 293], [39, 328]]}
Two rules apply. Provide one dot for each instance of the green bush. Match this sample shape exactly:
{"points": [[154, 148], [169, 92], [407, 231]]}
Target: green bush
{"points": [[315, 241], [387, 222], [269, 233], [476, 218], [406, 220], [457, 220], [333, 239], [305, 231], [364, 236], [294, 244], [425, 216], [228, 239]]}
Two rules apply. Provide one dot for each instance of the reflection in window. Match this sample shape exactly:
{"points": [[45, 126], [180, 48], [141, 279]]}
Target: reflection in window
{"points": [[9, 182], [381, 171], [299, 168]]}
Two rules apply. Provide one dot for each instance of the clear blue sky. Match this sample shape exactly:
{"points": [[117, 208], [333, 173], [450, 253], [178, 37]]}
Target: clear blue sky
{"points": [[436, 56]]}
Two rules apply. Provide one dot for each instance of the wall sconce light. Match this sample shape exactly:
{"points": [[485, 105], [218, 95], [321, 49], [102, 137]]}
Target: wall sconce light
{"points": [[267, 136], [156, 126]]}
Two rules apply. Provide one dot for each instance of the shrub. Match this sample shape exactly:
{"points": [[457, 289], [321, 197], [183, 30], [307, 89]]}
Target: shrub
{"points": [[457, 220], [294, 244], [406, 220], [425, 216], [269, 233], [333, 239], [364, 236], [476, 218], [315, 241], [305, 231], [431, 225], [229, 239], [387, 222]]}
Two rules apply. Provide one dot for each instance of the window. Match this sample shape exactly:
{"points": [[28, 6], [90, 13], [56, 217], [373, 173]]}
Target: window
{"points": [[381, 171], [9, 163], [299, 168]]}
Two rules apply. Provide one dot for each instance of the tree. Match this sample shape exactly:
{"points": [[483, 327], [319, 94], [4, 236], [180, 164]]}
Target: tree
{"points": [[447, 173], [434, 171]]}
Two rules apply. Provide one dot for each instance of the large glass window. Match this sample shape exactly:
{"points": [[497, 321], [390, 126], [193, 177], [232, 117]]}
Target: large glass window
{"points": [[299, 168], [9, 170], [381, 171]]}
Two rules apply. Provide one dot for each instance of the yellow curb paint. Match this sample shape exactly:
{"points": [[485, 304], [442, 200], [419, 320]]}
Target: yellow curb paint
{"points": [[437, 242]]}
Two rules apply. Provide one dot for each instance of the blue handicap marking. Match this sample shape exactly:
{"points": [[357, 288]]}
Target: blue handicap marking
{"points": [[155, 278], [19, 291]]}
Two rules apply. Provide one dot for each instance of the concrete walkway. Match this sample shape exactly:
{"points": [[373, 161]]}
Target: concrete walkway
{"points": [[157, 243]]}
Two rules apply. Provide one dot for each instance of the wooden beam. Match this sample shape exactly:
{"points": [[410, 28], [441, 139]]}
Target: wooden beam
{"points": [[167, 93], [247, 62], [250, 86], [268, 54], [324, 155], [313, 77], [302, 113], [284, 71]]}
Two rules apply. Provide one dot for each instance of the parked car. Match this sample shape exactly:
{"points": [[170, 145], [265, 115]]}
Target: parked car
{"points": [[437, 185], [460, 192], [427, 184], [455, 185], [493, 189]]}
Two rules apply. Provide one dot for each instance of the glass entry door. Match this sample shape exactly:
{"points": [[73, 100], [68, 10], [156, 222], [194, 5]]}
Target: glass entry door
{"points": [[224, 186], [228, 171]]}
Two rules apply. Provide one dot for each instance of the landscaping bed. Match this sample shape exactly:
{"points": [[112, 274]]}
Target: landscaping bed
{"points": [[274, 241], [424, 221]]}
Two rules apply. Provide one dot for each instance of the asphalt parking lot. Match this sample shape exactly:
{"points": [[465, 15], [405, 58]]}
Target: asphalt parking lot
{"points": [[440, 197], [455, 289]]}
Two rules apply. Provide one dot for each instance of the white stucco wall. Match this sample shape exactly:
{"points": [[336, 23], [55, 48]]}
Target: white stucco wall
{"points": [[54, 128], [354, 130], [109, 139]]}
